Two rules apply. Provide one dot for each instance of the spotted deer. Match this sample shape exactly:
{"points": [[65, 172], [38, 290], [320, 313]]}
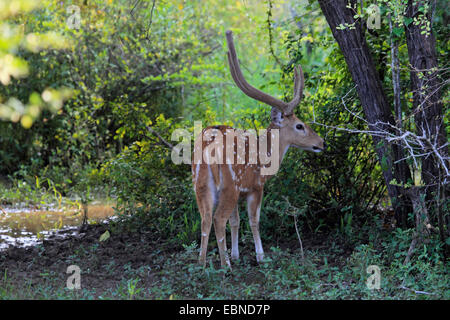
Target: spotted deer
{"points": [[218, 186]]}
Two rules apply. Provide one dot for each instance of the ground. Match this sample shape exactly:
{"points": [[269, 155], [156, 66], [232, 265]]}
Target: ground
{"points": [[140, 265]]}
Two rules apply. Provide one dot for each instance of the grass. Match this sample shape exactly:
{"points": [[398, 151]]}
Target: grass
{"points": [[143, 260], [324, 274]]}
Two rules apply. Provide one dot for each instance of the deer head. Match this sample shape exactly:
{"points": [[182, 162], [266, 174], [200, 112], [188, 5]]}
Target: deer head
{"points": [[293, 131]]}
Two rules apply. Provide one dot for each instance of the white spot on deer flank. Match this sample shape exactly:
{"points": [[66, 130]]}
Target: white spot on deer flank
{"points": [[211, 185], [233, 175]]}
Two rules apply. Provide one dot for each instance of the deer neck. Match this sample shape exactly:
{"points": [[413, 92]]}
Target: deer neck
{"points": [[283, 147]]}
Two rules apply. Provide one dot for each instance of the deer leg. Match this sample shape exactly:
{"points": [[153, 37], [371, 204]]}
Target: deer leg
{"points": [[234, 223], [227, 203], [205, 195], [253, 208]]}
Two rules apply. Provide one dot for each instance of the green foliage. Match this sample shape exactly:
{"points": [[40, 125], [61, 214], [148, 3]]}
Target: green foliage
{"points": [[162, 64], [327, 272], [14, 64]]}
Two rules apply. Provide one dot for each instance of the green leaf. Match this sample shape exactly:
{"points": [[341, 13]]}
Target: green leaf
{"points": [[105, 236], [384, 163], [407, 21], [397, 31]]}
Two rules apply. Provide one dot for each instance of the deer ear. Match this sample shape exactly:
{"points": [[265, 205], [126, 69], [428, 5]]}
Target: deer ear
{"points": [[277, 117]]}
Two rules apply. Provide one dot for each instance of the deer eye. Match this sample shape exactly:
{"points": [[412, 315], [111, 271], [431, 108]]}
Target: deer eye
{"points": [[299, 126]]}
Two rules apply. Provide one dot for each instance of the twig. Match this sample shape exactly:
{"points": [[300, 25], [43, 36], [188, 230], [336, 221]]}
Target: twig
{"points": [[415, 291], [269, 26], [411, 248], [254, 125], [151, 19], [134, 7], [84, 223], [156, 134], [415, 145], [299, 239], [296, 227]]}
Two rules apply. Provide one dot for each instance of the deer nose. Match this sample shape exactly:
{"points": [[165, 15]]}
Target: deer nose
{"points": [[316, 148]]}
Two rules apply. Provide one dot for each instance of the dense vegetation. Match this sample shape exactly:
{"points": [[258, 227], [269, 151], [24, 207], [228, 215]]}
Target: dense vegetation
{"points": [[77, 96]]}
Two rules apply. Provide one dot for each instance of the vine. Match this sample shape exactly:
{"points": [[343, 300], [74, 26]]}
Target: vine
{"points": [[269, 28]]}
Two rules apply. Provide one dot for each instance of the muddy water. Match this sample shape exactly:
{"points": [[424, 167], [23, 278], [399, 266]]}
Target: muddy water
{"points": [[25, 226]]}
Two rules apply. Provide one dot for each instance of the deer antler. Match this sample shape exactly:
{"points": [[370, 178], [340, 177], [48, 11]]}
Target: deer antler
{"points": [[285, 107]]}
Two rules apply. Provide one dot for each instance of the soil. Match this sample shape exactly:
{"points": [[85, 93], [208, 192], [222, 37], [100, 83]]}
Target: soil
{"points": [[54, 255]]}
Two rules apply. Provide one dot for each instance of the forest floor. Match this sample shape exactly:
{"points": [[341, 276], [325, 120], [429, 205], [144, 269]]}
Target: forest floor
{"points": [[142, 266]]}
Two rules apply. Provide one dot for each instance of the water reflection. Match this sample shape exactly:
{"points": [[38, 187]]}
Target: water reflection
{"points": [[26, 226]]}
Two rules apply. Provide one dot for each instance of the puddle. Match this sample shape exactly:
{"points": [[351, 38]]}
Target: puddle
{"points": [[27, 226]]}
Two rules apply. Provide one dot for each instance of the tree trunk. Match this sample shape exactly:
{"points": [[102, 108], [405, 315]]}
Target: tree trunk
{"points": [[426, 85], [352, 42], [395, 71], [427, 105]]}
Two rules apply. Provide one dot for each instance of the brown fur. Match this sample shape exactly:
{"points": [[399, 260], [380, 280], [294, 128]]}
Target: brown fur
{"points": [[221, 185]]}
